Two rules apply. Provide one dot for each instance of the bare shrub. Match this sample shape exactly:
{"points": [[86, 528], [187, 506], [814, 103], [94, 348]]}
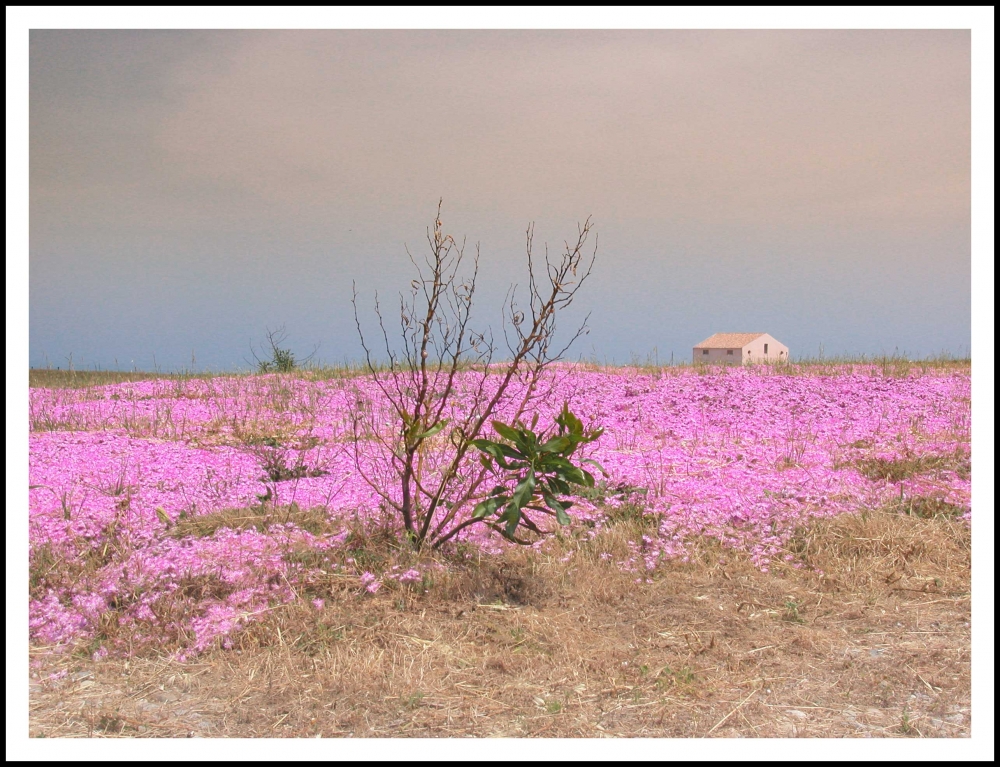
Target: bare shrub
{"points": [[441, 388]]}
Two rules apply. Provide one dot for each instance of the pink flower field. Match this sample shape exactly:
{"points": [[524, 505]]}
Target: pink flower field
{"points": [[120, 474]]}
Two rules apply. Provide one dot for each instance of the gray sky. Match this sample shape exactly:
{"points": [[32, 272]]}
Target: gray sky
{"points": [[189, 189]]}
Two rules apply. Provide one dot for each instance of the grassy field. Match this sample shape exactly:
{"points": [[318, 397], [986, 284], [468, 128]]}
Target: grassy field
{"points": [[526, 645], [830, 600], [888, 364]]}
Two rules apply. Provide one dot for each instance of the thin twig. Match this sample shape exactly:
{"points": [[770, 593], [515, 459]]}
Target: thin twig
{"points": [[738, 707]]}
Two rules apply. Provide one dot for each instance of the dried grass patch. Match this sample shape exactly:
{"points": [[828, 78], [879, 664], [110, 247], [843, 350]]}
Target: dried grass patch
{"points": [[314, 520], [908, 465], [560, 643]]}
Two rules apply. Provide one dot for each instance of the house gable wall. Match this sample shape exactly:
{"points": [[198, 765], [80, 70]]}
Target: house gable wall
{"points": [[754, 351]]}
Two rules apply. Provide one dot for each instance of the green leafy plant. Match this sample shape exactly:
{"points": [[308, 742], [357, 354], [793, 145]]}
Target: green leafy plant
{"points": [[542, 468], [905, 724], [792, 612]]}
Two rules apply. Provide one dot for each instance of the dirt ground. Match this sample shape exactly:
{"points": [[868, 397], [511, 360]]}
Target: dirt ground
{"points": [[529, 645]]}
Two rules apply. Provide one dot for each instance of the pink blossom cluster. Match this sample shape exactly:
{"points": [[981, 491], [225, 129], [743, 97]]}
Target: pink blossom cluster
{"points": [[741, 455], [370, 582], [412, 575]]}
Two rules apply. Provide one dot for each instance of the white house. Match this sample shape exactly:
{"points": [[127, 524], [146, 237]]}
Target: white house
{"points": [[739, 349]]}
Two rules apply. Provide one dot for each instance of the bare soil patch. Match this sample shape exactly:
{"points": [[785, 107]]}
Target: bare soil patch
{"points": [[541, 644]]}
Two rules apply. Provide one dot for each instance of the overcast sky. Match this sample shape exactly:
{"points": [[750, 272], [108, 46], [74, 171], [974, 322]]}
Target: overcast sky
{"points": [[190, 189]]}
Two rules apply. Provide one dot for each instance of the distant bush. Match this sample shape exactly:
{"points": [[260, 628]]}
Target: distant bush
{"points": [[276, 359]]}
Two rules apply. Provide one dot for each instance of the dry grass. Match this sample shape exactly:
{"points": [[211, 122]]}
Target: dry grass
{"points": [[529, 645], [82, 379], [906, 466], [889, 366], [261, 517]]}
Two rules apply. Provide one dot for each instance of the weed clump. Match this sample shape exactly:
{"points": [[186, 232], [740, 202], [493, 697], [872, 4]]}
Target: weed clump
{"points": [[905, 466], [929, 507], [259, 517], [277, 359]]}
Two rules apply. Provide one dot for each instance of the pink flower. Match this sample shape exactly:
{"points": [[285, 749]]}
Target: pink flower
{"points": [[103, 460], [370, 582], [410, 576]]}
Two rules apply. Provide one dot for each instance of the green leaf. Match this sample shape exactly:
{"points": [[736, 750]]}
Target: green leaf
{"points": [[490, 448], [531, 440], [556, 444], [559, 507], [574, 475], [525, 440], [486, 508], [433, 430], [557, 485], [506, 431], [551, 502], [510, 452], [524, 490], [511, 516], [511, 526], [495, 450], [592, 462], [558, 461]]}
